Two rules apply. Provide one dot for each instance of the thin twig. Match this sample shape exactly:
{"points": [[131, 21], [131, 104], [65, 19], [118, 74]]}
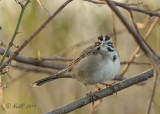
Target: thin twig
{"points": [[51, 64], [153, 92], [103, 93], [66, 50], [43, 7], [133, 56], [145, 22], [34, 34], [82, 43], [47, 64], [133, 62], [134, 23], [114, 29], [138, 38], [95, 2], [34, 68], [128, 7], [55, 59], [15, 32], [125, 6], [144, 46]]}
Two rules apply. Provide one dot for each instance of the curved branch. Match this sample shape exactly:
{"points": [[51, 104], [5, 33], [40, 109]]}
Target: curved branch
{"points": [[103, 93], [34, 34], [138, 37]]}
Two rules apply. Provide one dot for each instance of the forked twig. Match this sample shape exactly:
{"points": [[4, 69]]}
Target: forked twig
{"points": [[16, 31], [27, 60], [143, 45], [128, 7], [133, 56], [138, 38], [34, 34]]}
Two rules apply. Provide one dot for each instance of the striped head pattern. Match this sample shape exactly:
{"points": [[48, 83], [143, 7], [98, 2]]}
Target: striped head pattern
{"points": [[104, 43]]}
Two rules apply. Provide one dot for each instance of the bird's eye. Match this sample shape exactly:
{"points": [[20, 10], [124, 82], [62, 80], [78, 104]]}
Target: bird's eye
{"points": [[110, 44]]}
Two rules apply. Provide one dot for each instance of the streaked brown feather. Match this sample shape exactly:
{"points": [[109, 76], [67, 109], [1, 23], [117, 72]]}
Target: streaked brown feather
{"points": [[88, 51]]}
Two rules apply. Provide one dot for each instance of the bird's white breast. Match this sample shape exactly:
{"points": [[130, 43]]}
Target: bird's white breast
{"points": [[95, 69]]}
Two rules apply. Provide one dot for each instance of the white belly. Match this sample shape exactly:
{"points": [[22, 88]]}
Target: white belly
{"points": [[95, 69], [107, 72]]}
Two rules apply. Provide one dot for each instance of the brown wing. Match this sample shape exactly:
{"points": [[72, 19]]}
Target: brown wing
{"points": [[86, 52], [75, 61]]}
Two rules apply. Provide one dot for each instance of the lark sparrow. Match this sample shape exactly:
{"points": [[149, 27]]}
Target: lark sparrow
{"points": [[96, 64]]}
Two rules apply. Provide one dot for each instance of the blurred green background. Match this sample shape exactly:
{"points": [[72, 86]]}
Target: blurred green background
{"points": [[78, 21]]}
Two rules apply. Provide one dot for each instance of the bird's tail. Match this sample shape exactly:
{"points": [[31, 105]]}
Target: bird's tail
{"points": [[50, 78]]}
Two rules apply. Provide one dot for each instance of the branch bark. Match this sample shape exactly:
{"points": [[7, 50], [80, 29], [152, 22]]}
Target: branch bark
{"points": [[23, 59], [103, 93], [138, 38], [128, 7], [35, 69], [16, 30], [150, 13], [34, 34]]}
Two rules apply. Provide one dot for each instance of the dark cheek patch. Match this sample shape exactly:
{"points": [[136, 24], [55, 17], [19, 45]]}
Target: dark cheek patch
{"points": [[98, 48], [109, 49]]}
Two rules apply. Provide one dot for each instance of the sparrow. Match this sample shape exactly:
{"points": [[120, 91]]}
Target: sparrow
{"points": [[98, 63]]}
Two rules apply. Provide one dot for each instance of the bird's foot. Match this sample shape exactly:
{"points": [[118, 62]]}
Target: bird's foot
{"points": [[92, 97]]}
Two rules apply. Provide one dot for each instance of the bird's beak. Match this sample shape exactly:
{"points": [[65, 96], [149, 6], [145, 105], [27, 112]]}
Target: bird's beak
{"points": [[103, 44]]}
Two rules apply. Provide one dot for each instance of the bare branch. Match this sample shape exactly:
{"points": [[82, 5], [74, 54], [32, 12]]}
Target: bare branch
{"points": [[43, 7], [103, 93], [49, 63], [153, 92], [125, 6], [133, 56], [95, 2], [66, 50], [35, 69], [23, 59], [136, 63], [34, 34], [128, 7], [82, 43], [138, 38], [16, 30], [134, 23], [114, 29], [55, 59]]}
